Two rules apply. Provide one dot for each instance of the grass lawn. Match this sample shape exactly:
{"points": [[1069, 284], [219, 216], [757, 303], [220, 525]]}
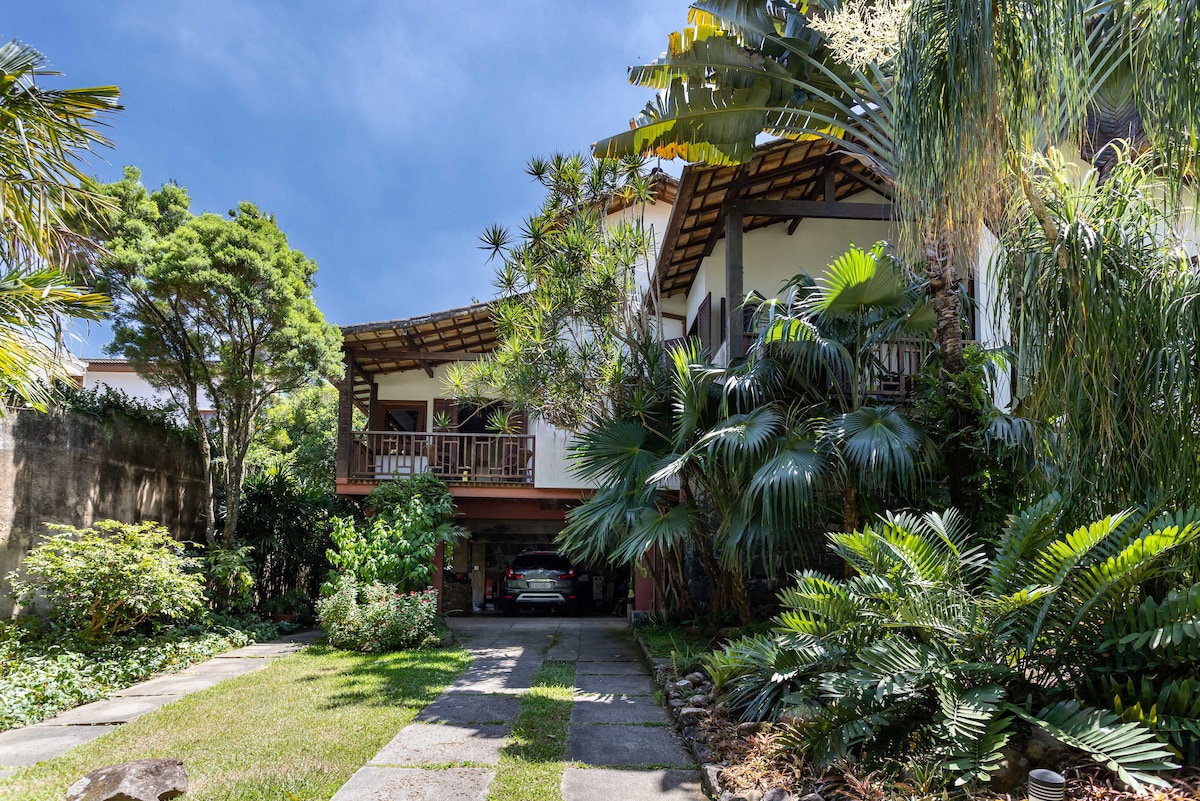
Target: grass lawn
{"points": [[295, 730], [531, 763]]}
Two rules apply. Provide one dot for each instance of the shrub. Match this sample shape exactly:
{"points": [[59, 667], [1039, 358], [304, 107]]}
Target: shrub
{"points": [[397, 546], [40, 676], [111, 578], [375, 617], [932, 652]]}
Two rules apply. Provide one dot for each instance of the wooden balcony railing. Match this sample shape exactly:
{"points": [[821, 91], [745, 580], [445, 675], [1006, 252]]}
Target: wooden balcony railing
{"points": [[454, 458]]}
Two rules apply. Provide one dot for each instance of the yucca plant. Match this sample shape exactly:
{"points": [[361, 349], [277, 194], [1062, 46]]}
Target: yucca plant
{"points": [[932, 649]]}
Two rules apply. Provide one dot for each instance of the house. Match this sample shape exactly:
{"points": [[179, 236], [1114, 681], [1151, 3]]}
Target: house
{"points": [[512, 486], [119, 374], [720, 232]]}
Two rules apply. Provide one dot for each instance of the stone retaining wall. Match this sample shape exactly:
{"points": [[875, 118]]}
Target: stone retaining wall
{"points": [[70, 468]]}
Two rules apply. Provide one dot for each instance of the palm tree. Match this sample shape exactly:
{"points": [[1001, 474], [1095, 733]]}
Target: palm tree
{"points": [[944, 112], [44, 194], [736, 467]]}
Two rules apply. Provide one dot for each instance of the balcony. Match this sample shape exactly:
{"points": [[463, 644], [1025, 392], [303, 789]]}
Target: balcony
{"points": [[480, 459]]}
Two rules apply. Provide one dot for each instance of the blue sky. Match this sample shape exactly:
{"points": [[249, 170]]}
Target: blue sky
{"points": [[383, 135]]}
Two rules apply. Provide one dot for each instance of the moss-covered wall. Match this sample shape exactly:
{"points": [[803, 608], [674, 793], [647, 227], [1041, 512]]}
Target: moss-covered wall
{"points": [[70, 468]]}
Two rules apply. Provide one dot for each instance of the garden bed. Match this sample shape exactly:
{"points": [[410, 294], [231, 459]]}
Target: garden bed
{"points": [[42, 675]]}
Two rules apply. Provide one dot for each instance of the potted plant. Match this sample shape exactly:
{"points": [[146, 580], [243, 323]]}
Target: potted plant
{"points": [[291, 607]]}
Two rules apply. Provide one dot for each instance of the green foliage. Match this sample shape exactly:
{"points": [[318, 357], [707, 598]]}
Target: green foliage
{"points": [[757, 446], [928, 647], [576, 336], [103, 401], [111, 578], [1107, 326], [297, 433], [41, 675], [412, 517], [230, 574], [45, 136], [287, 523], [375, 617], [216, 305]]}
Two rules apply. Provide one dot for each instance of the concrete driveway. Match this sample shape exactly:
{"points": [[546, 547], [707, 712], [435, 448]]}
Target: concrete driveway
{"points": [[620, 740]]}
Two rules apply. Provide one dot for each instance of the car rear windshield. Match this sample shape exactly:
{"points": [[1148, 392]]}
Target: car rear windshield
{"points": [[549, 561]]}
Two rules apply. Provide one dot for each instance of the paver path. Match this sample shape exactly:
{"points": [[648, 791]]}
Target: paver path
{"points": [[58, 735], [620, 743]]}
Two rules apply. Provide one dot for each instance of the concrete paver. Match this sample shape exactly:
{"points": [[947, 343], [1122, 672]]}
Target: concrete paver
{"points": [[610, 668], [610, 684], [58, 735], [593, 708], [112, 710], [626, 746], [605, 784], [224, 667], [614, 722], [469, 708], [172, 685], [439, 744], [263, 650], [33, 744], [414, 784]]}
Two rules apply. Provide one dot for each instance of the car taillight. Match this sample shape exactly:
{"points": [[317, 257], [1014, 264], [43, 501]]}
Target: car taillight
{"points": [[570, 574], [515, 574]]}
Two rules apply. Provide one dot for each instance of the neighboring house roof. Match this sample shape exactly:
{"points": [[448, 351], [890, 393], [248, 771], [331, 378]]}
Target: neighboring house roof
{"points": [[812, 169]]}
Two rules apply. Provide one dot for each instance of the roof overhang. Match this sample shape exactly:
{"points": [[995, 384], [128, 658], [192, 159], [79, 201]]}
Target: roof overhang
{"points": [[816, 170], [419, 343]]}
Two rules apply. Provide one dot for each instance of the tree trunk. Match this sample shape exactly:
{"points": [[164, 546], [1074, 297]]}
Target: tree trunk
{"points": [[944, 296], [850, 511], [235, 468], [210, 483], [958, 449]]}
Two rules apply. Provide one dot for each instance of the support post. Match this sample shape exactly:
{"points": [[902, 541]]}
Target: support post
{"points": [[345, 418], [736, 345]]}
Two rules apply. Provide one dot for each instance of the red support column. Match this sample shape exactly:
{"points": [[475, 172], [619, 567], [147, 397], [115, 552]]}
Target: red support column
{"points": [[439, 561], [643, 585]]}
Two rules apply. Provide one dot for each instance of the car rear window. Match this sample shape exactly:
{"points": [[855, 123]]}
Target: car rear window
{"points": [[551, 561]]}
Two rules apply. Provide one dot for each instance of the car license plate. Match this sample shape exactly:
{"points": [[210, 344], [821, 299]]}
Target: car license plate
{"points": [[541, 585]]}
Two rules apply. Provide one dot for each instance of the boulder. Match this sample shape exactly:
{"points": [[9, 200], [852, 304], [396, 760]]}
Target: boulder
{"points": [[696, 678], [140, 780], [747, 729], [776, 794], [812, 797], [683, 685], [698, 700], [692, 713]]}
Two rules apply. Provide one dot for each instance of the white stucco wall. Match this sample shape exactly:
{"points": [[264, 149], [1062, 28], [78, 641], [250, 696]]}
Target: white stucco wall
{"points": [[771, 258], [133, 385]]}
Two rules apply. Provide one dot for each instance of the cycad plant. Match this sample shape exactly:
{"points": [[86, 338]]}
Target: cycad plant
{"points": [[739, 465], [933, 652]]}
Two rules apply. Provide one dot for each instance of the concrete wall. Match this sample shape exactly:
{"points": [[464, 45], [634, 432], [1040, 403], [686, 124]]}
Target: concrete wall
{"points": [[132, 384], [76, 469]]}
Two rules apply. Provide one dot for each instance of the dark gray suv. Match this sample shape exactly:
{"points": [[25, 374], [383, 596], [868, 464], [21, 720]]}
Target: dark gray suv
{"points": [[542, 579]]}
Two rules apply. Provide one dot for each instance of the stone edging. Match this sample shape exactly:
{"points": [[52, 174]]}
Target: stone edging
{"points": [[688, 712]]}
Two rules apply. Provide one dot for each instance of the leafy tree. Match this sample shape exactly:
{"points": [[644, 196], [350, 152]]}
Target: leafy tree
{"points": [[1108, 324], [411, 518], [44, 135], [298, 432], [576, 333], [215, 304]]}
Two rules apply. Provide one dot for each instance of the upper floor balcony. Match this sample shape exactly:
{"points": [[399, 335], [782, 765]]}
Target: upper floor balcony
{"points": [[456, 458]]}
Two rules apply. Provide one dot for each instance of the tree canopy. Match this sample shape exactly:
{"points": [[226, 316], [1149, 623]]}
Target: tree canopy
{"points": [[216, 304]]}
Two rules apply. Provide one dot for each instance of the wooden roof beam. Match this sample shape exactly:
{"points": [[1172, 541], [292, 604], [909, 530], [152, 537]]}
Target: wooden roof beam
{"points": [[413, 344]]}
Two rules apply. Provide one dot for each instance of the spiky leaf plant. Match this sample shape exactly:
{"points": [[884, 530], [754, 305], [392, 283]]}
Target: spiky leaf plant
{"points": [[931, 648]]}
